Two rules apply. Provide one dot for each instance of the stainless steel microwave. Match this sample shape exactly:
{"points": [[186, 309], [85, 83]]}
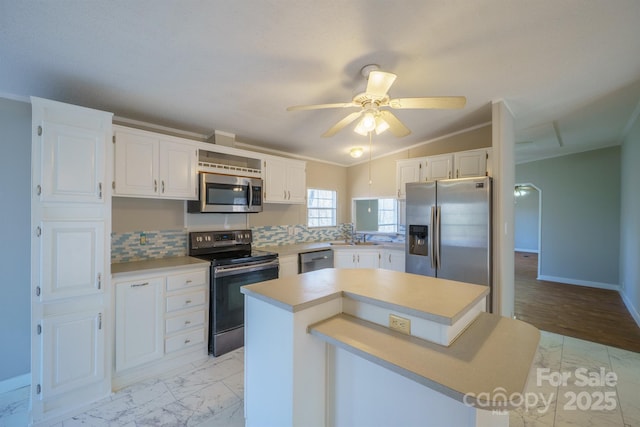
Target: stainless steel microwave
{"points": [[227, 194]]}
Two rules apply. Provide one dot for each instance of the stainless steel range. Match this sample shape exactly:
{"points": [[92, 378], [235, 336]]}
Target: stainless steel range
{"points": [[233, 264]]}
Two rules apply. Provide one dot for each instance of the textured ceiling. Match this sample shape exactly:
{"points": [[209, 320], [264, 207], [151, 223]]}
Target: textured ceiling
{"points": [[568, 70]]}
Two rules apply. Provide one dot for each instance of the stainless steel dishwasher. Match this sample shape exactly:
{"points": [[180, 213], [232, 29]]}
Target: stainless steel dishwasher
{"points": [[311, 261]]}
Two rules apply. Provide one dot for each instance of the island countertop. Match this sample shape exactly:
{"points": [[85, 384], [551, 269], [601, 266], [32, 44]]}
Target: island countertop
{"points": [[439, 300]]}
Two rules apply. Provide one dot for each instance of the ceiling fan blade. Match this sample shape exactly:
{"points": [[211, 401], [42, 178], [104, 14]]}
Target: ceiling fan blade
{"points": [[379, 83], [341, 124], [321, 106], [395, 126], [443, 102]]}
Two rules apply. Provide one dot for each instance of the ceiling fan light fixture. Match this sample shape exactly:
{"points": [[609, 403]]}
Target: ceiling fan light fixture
{"points": [[356, 152], [381, 125], [368, 122]]}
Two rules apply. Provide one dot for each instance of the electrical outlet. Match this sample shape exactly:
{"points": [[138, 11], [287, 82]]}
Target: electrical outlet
{"points": [[290, 231], [143, 239], [400, 324]]}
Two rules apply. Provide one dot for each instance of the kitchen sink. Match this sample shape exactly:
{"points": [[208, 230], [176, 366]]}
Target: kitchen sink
{"points": [[354, 244]]}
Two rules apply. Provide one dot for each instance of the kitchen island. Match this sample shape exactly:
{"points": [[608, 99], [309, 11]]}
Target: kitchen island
{"points": [[319, 350]]}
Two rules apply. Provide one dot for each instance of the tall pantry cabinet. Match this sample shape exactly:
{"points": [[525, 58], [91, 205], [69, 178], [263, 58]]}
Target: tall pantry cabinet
{"points": [[70, 258]]}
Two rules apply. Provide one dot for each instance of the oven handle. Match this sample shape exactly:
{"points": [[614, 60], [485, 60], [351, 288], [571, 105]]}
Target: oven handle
{"points": [[231, 271]]}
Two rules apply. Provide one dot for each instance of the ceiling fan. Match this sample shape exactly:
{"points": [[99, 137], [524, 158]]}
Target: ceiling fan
{"points": [[374, 101]]}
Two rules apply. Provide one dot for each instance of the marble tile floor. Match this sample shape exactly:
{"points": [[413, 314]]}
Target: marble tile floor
{"points": [[211, 393]]}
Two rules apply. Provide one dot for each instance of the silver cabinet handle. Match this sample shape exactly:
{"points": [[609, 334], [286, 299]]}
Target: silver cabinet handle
{"points": [[188, 301], [187, 322], [289, 194], [155, 185], [99, 190], [162, 186], [187, 341], [137, 285], [188, 281]]}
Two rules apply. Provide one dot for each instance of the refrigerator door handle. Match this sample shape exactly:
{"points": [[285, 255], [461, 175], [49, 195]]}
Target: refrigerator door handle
{"points": [[437, 238], [433, 237]]}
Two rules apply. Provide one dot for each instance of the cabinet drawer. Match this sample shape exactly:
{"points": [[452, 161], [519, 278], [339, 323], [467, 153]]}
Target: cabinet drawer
{"points": [[184, 340], [185, 280], [192, 299], [185, 321]]}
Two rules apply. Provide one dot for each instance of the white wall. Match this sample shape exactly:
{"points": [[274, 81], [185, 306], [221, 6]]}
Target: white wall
{"points": [[15, 183], [630, 222], [580, 236]]}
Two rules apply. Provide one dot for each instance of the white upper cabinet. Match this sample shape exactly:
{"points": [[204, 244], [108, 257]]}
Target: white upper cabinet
{"points": [[409, 170], [462, 164], [148, 164], [69, 154], [285, 180], [438, 167], [471, 163]]}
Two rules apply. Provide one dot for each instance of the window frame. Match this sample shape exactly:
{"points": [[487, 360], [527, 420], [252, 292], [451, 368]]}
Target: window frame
{"points": [[333, 209]]}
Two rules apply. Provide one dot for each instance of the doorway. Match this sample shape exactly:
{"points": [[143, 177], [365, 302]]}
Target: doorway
{"points": [[527, 212]]}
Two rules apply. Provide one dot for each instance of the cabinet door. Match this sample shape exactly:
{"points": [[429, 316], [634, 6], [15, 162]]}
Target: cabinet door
{"points": [[407, 171], [178, 174], [72, 259], [72, 164], [439, 167], [139, 322], [392, 260], [288, 266], [344, 259], [73, 351], [471, 163], [296, 182], [136, 164], [275, 180], [368, 259]]}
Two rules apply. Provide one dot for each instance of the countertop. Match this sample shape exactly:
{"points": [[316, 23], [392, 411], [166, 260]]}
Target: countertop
{"points": [[295, 249], [489, 361], [439, 300], [155, 264]]}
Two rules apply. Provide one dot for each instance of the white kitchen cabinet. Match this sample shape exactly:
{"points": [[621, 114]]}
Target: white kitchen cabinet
{"points": [[356, 258], [392, 259], [70, 258], [139, 316], [161, 321], [409, 170], [288, 266], [471, 163], [438, 167], [72, 160], [152, 165], [73, 352], [284, 180]]}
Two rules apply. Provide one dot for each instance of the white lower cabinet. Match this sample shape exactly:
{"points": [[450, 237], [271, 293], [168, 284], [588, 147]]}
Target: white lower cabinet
{"points": [[392, 259], [139, 314], [356, 258], [161, 321], [288, 266]]}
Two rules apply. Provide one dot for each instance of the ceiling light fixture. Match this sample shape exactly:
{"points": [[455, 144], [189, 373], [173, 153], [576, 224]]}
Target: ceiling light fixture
{"points": [[356, 152]]}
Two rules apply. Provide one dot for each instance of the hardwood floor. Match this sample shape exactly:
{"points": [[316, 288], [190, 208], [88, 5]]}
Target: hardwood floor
{"points": [[597, 315]]}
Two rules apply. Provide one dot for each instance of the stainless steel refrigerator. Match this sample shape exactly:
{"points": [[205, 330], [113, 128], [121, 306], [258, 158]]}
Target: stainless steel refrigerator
{"points": [[448, 230]]}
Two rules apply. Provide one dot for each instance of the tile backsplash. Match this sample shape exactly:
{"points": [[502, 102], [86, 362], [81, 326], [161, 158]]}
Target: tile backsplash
{"points": [[142, 245], [127, 247]]}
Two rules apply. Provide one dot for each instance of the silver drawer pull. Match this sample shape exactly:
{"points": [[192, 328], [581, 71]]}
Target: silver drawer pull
{"points": [[188, 301], [137, 285], [188, 281], [187, 341], [187, 322]]}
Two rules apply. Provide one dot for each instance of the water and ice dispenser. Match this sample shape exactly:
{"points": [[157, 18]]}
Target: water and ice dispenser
{"points": [[418, 240]]}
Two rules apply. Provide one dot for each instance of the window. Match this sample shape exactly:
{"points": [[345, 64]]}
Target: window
{"points": [[321, 208], [387, 215]]}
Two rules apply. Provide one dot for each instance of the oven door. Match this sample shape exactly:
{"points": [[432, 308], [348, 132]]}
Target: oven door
{"points": [[227, 302], [224, 193]]}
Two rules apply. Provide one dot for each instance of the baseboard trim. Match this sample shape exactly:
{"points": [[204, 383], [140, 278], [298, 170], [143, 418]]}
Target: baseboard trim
{"points": [[531, 251], [15, 383], [632, 310], [578, 282]]}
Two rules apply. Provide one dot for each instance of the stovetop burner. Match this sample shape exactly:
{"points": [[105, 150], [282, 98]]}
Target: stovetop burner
{"points": [[226, 247]]}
